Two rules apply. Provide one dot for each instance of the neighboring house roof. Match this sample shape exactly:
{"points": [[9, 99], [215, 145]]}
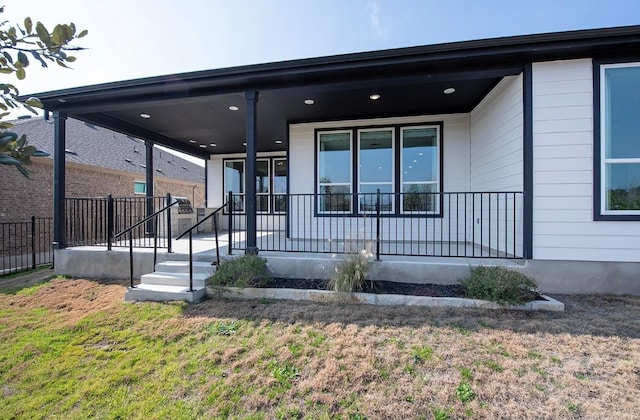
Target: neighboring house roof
{"points": [[96, 146]]}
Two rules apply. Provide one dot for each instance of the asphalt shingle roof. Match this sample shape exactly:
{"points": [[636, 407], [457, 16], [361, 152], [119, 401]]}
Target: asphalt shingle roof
{"points": [[97, 146]]}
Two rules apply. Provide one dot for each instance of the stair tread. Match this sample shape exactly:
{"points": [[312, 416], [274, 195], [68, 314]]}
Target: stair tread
{"points": [[172, 275], [164, 288]]}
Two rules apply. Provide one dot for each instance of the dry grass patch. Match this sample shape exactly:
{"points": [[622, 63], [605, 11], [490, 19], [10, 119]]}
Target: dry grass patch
{"points": [[73, 349]]}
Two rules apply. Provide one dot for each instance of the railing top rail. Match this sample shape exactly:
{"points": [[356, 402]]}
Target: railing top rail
{"points": [[137, 197], [203, 220], [146, 219]]}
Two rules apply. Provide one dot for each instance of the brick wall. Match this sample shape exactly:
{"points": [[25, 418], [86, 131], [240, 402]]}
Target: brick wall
{"points": [[21, 198]]}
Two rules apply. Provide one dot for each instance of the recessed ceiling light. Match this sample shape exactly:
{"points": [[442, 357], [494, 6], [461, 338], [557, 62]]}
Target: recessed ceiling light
{"points": [[374, 97], [449, 91], [213, 145], [204, 146], [192, 141], [233, 108], [278, 141], [309, 101], [61, 100], [145, 116], [244, 144]]}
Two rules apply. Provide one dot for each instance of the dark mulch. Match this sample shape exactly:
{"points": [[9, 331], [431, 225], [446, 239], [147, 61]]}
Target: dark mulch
{"points": [[379, 287]]}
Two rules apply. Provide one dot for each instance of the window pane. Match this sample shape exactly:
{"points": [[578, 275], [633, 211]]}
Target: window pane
{"points": [[368, 197], [279, 203], [279, 176], [262, 176], [334, 198], [139, 187], [262, 203], [623, 186], [334, 158], [234, 176], [420, 154], [622, 112], [419, 197], [376, 156], [238, 203]]}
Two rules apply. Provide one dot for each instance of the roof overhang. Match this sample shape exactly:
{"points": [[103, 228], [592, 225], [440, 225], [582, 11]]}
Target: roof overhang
{"points": [[190, 111]]}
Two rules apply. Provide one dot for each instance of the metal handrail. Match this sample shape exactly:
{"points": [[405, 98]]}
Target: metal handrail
{"points": [[155, 235], [190, 232]]}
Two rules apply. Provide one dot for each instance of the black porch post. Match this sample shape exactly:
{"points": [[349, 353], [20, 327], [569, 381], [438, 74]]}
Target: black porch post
{"points": [[149, 183], [250, 187], [59, 158], [527, 92]]}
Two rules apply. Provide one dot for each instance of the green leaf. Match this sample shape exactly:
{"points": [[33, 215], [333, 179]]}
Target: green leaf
{"points": [[71, 59], [40, 153], [43, 34], [5, 125], [7, 137], [34, 102], [83, 33], [61, 64], [8, 160], [28, 25], [21, 73], [8, 56], [22, 57], [22, 141], [6, 70]]}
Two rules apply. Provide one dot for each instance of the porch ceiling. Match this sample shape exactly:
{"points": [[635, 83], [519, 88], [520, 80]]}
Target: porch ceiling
{"points": [[207, 120], [191, 110]]}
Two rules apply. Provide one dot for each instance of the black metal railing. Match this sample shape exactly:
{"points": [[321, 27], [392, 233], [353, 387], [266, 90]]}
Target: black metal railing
{"points": [[189, 232], [151, 225], [448, 224], [25, 245], [94, 220]]}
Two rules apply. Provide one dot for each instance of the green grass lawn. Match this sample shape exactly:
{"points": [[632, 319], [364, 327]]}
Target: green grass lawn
{"points": [[73, 349]]}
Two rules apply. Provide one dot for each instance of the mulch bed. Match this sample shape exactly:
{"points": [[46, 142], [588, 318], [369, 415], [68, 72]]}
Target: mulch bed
{"points": [[379, 287]]}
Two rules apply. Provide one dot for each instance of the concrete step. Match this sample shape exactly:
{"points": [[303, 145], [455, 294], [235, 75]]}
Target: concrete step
{"points": [[183, 267], [164, 293], [173, 279]]}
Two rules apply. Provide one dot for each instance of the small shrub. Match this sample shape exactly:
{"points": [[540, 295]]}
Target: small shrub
{"points": [[465, 393], [351, 274], [497, 284], [247, 270]]}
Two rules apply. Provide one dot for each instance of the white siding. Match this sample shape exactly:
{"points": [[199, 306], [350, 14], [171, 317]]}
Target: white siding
{"points": [[496, 157], [563, 226]]}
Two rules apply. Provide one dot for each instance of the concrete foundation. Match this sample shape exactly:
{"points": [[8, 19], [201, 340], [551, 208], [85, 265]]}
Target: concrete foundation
{"points": [[562, 277]]}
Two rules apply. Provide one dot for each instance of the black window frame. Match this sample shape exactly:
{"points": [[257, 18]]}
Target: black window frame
{"points": [[270, 159], [598, 215], [397, 183]]}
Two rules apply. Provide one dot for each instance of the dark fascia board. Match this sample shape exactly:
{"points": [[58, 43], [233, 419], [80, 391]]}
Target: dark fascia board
{"points": [[446, 56]]}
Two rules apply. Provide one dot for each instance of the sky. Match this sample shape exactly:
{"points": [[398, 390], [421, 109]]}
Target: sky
{"points": [[131, 39]]}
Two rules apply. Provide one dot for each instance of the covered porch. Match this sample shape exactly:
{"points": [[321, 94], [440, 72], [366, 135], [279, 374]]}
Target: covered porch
{"points": [[471, 101]]}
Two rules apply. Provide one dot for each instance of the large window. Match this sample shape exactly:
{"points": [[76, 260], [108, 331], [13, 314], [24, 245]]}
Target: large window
{"points": [[334, 171], [420, 169], [375, 169], [402, 162], [620, 139], [271, 184]]}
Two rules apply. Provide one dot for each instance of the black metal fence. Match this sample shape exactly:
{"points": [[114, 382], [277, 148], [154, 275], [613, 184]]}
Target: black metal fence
{"points": [[95, 220], [25, 245], [447, 224]]}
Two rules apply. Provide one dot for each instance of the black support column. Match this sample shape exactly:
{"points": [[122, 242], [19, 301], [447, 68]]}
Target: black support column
{"points": [[59, 166], [250, 183], [148, 145], [527, 101]]}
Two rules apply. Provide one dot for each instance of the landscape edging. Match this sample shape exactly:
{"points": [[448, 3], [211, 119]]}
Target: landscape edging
{"points": [[549, 304]]}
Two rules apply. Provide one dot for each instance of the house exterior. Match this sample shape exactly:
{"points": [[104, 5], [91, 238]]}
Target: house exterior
{"points": [[99, 162], [521, 148]]}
